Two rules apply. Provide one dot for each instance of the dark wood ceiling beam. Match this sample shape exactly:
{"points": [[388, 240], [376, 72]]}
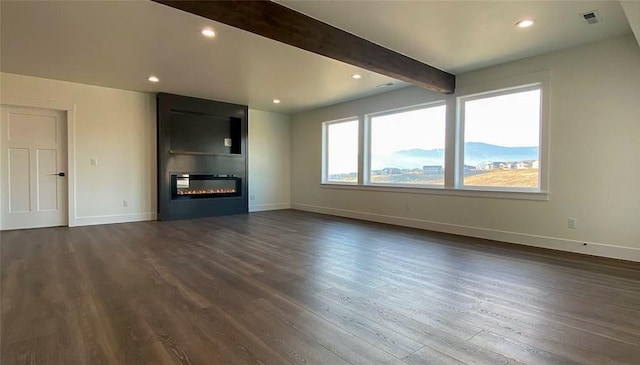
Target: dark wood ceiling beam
{"points": [[285, 25]]}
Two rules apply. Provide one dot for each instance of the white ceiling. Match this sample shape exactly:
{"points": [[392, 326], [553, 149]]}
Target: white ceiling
{"points": [[459, 36], [119, 44]]}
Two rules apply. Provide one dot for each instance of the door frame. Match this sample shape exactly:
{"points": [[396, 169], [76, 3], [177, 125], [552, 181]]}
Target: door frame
{"points": [[70, 111]]}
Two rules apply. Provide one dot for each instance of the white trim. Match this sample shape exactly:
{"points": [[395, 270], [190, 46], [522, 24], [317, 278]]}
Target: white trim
{"points": [[438, 190], [365, 150], [410, 108], [450, 146], [70, 109], [264, 207], [362, 157], [508, 90], [116, 218], [555, 243]]}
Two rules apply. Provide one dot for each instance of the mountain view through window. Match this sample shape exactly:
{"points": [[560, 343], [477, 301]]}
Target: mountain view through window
{"points": [[408, 147]]}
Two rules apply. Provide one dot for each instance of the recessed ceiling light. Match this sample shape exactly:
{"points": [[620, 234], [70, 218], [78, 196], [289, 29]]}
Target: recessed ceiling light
{"points": [[356, 76], [276, 101], [153, 79], [208, 32], [525, 23]]}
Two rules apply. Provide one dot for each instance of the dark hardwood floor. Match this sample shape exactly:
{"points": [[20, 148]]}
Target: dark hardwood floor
{"points": [[289, 287]]}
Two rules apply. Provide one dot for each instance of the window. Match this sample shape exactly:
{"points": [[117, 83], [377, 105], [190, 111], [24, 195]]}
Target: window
{"points": [[489, 140], [341, 151], [501, 130], [407, 147]]}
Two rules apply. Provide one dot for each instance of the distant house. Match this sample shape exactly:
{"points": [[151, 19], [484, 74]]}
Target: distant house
{"points": [[469, 168], [527, 164], [391, 171], [492, 166], [432, 169]]}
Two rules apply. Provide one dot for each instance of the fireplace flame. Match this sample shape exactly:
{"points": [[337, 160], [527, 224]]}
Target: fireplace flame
{"points": [[205, 191]]}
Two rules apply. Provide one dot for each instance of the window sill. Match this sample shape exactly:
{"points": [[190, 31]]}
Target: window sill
{"points": [[436, 190]]}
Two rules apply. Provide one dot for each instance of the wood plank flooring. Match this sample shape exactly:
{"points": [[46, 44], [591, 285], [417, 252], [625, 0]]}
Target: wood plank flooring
{"points": [[289, 287]]}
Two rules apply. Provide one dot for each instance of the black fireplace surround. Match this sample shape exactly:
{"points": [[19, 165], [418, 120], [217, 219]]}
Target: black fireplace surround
{"points": [[202, 157]]}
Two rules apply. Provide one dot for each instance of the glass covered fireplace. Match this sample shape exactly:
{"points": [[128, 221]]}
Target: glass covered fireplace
{"points": [[192, 186]]}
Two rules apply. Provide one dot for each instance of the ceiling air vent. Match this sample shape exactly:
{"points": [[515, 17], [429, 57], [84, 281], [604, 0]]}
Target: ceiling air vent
{"points": [[385, 85], [591, 17]]}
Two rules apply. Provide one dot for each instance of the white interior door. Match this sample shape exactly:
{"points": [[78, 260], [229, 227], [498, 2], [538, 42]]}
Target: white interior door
{"points": [[32, 154]]}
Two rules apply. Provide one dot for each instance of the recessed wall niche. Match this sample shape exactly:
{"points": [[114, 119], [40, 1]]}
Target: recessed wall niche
{"points": [[202, 157]]}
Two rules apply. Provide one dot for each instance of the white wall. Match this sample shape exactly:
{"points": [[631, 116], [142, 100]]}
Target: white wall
{"points": [[632, 11], [118, 128], [269, 163], [594, 169]]}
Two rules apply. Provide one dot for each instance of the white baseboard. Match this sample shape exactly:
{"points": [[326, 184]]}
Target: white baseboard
{"points": [[118, 218], [263, 207], [562, 244]]}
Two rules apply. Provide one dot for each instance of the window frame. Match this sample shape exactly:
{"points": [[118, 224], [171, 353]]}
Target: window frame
{"points": [[536, 81], [325, 151], [367, 144]]}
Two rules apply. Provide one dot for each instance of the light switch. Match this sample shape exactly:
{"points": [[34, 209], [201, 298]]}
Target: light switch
{"points": [[227, 142], [94, 161]]}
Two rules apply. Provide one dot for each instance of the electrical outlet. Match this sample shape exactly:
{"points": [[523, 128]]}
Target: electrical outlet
{"points": [[94, 161], [125, 203], [407, 207], [572, 223], [252, 197]]}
